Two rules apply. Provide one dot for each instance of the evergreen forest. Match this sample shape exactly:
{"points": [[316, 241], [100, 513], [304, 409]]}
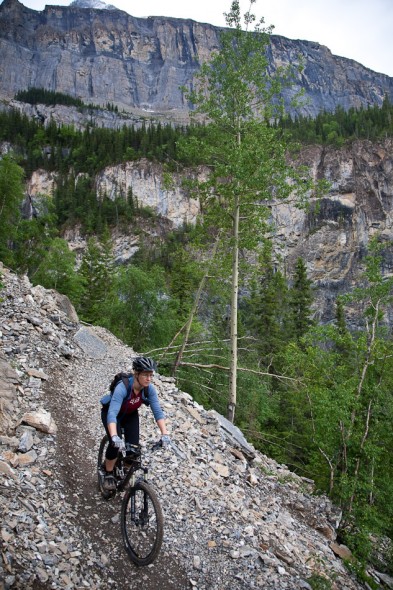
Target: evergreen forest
{"points": [[315, 397]]}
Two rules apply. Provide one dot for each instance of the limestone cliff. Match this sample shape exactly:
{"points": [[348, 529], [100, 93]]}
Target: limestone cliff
{"points": [[332, 238], [138, 64]]}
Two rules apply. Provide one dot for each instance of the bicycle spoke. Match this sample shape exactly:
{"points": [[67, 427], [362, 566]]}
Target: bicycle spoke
{"points": [[142, 524]]}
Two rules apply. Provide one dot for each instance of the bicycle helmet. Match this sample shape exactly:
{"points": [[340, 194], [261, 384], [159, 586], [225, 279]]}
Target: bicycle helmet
{"points": [[143, 363]]}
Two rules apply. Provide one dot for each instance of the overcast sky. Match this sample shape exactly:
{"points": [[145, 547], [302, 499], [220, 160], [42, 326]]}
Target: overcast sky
{"points": [[359, 29]]}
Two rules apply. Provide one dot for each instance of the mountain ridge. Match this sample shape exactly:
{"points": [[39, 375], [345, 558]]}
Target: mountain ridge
{"points": [[96, 4], [139, 64]]}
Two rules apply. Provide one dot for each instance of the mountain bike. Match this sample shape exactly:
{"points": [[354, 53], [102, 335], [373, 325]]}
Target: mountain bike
{"points": [[142, 521]]}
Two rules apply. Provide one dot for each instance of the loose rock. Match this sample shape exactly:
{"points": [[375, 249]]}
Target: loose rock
{"points": [[234, 518]]}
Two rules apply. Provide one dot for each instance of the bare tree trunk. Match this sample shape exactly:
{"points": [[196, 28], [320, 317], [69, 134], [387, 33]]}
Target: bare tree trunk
{"points": [[368, 361], [193, 311], [357, 468], [235, 290], [346, 436], [371, 495], [188, 325], [323, 453]]}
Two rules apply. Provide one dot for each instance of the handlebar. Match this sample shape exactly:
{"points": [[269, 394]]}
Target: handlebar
{"points": [[134, 451], [171, 446]]}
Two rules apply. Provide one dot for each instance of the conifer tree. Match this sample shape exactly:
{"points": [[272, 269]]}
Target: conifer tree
{"points": [[340, 317], [341, 408], [300, 301], [96, 271], [267, 312], [57, 270], [11, 196], [34, 237]]}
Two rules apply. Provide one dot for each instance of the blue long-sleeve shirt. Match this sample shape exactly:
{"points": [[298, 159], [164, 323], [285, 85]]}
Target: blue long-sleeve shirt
{"points": [[120, 394]]}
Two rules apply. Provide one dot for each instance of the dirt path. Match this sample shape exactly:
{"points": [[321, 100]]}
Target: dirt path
{"points": [[73, 400]]}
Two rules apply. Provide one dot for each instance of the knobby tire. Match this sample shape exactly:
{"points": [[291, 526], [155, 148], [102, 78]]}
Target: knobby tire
{"points": [[143, 536]]}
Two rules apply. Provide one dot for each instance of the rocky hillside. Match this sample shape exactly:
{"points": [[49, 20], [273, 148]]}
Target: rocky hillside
{"points": [[139, 64], [233, 517]]}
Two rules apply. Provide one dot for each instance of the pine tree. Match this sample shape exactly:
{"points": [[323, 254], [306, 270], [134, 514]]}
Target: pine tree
{"points": [[11, 196], [340, 317], [267, 312], [57, 270], [300, 301], [96, 271]]}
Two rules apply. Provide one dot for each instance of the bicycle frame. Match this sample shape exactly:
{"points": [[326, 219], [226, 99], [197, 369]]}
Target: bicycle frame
{"points": [[129, 478], [142, 520]]}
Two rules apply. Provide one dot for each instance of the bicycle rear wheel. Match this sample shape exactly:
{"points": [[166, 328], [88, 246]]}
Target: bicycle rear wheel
{"points": [[100, 460], [142, 523]]}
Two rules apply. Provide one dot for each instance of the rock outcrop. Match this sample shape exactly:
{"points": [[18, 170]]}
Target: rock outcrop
{"points": [[147, 182], [332, 237], [233, 517], [139, 64]]}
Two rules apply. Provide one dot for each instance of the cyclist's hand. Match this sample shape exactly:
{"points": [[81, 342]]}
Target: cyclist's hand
{"points": [[118, 443], [165, 440]]}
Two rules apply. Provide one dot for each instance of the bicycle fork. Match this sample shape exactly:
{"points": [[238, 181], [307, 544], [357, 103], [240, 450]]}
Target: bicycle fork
{"points": [[143, 517]]}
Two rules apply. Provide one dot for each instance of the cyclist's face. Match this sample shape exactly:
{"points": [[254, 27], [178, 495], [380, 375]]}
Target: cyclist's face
{"points": [[145, 376]]}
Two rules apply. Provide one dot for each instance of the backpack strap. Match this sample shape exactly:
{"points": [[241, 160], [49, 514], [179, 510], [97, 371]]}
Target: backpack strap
{"points": [[145, 393], [127, 384]]}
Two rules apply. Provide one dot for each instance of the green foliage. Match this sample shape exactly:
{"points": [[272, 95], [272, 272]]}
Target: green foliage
{"points": [[337, 412], [265, 312], [34, 238], [140, 310], [97, 274], [11, 196], [317, 398], [319, 582], [42, 96], [300, 301], [336, 128], [77, 156], [237, 95], [359, 570], [57, 271]]}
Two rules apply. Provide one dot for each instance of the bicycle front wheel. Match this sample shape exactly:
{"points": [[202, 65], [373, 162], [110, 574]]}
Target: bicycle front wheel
{"points": [[142, 523]]}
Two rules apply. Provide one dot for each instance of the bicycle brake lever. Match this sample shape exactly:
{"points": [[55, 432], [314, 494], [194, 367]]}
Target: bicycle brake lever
{"points": [[157, 445]]}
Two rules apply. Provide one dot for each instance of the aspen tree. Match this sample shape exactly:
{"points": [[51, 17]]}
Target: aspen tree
{"points": [[237, 97]]}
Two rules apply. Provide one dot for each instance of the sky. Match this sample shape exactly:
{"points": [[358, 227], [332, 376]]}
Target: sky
{"points": [[357, 29]]}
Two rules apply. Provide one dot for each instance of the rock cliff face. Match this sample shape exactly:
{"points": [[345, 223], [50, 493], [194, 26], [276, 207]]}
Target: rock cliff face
{"points": [[108, 56], [332, 238], [138, 64], [146, 180]]}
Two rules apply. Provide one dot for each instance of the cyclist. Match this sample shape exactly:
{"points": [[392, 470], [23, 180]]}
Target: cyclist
{"points": [[120, 410]]}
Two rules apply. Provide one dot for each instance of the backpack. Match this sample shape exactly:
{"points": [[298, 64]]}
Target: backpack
{"points": [[120, 377], [125, 377]]}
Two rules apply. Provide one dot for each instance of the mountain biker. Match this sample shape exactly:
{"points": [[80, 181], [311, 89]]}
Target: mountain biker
{"points": [[121, 411]]}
